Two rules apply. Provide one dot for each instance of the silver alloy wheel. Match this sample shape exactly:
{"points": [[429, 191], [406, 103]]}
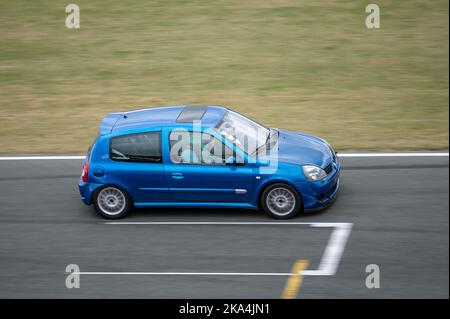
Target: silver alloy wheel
{"points": [[280, 201], [111, 201]]}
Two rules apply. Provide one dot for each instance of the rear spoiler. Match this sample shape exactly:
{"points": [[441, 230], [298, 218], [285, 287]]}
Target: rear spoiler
{"points": [[109, 122]]}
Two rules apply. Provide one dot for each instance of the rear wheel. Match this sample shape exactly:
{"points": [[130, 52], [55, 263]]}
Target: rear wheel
{"points": [[281, 201], [111, 202]]}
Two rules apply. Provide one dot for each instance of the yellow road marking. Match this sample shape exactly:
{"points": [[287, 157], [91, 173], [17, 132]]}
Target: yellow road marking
{"points": [[295, 280]]}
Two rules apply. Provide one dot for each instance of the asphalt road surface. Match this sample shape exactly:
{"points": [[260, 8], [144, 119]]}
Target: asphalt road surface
{"points": [[398, 208]]}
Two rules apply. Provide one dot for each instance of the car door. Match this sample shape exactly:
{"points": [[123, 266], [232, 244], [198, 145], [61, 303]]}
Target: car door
{"points": [[197, 172], [137, 164]]}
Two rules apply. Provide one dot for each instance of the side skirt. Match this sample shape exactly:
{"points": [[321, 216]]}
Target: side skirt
{"points": [[200, 205]]}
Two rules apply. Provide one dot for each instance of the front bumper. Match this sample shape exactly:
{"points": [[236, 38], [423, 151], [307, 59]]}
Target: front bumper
{"points": [[316, 195], [320, 205]]}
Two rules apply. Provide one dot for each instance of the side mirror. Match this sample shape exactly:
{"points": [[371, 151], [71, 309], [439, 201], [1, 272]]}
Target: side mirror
{"points": [[233, 161], [230, 161]]}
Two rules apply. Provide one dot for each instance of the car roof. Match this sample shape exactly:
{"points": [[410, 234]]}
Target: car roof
{"points": [[180, 116]]}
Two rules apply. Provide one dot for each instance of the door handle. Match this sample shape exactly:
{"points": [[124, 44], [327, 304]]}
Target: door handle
{"points": [[177, 175]]}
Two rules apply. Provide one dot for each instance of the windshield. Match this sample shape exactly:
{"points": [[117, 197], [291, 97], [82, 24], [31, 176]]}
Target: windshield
{"points": [[243, 132]]}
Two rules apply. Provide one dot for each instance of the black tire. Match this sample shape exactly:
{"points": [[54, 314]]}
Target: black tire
{"points": [[287, 196], [99, 196]]}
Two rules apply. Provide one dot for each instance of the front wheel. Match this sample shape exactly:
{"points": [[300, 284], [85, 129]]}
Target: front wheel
{"points": [[281, 201], [111, 202]]}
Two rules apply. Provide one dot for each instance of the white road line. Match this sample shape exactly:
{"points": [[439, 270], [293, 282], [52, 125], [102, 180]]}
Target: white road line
{"points": [[327, 267], [25, 158], [80, 157], [213, 223], [393, 154], [334, 250], [184, 273]]}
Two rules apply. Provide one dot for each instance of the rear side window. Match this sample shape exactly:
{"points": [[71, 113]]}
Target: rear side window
{"points": [[143, 147]]}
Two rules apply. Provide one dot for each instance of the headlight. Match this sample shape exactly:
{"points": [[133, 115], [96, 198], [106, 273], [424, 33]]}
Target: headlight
{"points": [[313, 173]]}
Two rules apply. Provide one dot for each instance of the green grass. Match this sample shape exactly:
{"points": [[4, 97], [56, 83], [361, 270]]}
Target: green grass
{"points": [[310, 66]]}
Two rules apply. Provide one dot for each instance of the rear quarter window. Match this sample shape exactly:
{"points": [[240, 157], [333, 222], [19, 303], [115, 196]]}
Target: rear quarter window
{"points": [[142, 147], [88, 155]]}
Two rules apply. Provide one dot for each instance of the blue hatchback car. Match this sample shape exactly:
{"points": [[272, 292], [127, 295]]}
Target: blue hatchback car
{"points": [[205, 156]]}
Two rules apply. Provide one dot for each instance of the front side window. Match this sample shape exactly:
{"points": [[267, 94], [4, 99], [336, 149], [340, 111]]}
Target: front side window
{"points": [[198, 148], [243, 132], [142, 147]]}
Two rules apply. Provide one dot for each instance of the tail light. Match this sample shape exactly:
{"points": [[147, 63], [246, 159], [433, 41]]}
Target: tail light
{"points": [[85, 172]]}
